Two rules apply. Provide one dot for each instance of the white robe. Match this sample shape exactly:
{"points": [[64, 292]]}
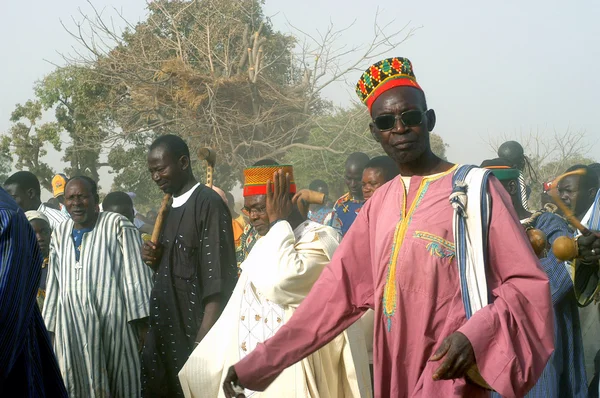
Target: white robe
{"points": [[280, 271]]}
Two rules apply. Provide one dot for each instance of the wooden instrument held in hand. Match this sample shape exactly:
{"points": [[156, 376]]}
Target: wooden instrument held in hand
{"points": [[537, 238], [160, 219], [305, 197], [210, 157]]}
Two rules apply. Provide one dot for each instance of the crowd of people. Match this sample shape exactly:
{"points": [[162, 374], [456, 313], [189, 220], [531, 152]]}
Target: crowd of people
{"points": [[420, 281]]}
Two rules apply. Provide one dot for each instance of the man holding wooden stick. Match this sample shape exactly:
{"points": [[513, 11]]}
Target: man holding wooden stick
{"points": [[194, 264]]}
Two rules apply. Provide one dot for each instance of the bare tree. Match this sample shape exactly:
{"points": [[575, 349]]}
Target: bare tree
{"points": [[218, 74], [549, 155]]}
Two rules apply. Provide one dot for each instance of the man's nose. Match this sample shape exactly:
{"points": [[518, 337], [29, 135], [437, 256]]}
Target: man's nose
{"points": [[399, 127]]}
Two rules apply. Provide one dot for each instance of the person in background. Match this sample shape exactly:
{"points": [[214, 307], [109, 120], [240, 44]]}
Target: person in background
{"points": [[399, 259], [234, 214], [97, 297], [152, 215], [580, 193], [276, 277], [43, 231], [564, 374], [59, 181], [140, 222], [25, 189], [347, 207], [318, 213], [378, 171], [513, 153], [28, 367], [237, 220], [121, 203], [194, 265], [595, 167], [53, 203], [250, 235]]}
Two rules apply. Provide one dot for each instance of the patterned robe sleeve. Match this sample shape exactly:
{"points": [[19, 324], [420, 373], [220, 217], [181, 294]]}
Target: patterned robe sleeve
{"points": [[282, 271], [137, 281], [50, 309], [217, 266], [558, 275]]}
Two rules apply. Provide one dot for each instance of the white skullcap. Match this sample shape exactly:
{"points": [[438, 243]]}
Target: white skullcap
{"points": [[36, 215]]}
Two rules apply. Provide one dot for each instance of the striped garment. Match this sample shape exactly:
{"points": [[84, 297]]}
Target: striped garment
{"points": [[523, 192], [90, 304], [564, 375], [28, 367], [56, 217]]}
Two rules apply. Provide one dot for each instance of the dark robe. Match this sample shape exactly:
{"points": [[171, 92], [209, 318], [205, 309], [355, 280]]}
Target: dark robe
{"points": [[198, 262]]}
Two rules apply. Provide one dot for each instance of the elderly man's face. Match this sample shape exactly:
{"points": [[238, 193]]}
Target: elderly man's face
{"points": [[255, 207], [403, 143]]}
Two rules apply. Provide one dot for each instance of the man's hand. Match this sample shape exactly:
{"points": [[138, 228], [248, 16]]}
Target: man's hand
{"points": [[231, 386], [459, 357], [589, 248], [141, 326], [279, 204], [151, 254]]}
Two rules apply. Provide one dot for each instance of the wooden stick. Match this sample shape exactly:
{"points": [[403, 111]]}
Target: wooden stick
{"points": [[162, 214], [567, 212]]}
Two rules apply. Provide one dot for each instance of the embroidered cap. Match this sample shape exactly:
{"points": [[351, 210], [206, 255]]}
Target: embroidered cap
{"points": [[384, 75], [59, 182], [255, 178]]}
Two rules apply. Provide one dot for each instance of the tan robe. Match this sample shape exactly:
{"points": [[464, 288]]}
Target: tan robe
{"points": [[280, 271]]}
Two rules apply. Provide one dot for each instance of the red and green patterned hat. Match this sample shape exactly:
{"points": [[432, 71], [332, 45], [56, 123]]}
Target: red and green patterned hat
{"points": [[384, 75]]}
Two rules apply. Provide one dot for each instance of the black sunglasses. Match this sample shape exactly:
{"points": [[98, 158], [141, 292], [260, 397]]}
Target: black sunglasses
{"points": [[409, 119]]}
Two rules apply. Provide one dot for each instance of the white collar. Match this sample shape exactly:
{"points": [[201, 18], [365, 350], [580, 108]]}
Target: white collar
{"points": [[180, 200]]}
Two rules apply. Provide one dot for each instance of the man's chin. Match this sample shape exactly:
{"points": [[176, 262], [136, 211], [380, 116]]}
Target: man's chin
{"points": [[262, 230]]}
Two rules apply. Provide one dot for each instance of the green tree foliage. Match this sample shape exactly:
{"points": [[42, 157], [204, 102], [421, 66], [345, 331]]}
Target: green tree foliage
{"points": [[25, 141], [79, 102], [81, 119]]}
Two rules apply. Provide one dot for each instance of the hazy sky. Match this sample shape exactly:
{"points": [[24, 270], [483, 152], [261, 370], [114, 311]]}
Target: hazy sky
{"points": [[507, 68]]}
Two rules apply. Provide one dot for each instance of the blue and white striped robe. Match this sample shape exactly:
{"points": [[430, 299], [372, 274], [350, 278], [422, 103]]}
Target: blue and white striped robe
{"points": [[90, 304]]}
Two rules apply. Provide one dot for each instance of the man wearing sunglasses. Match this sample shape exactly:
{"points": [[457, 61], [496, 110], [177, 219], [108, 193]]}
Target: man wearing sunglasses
{"points": [[399, 259]]}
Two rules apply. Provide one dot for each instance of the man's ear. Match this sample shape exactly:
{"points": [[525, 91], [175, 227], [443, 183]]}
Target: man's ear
{"points": [[430, 119], [184, 162], [374, 132], [30, 193], [513, 187]]}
